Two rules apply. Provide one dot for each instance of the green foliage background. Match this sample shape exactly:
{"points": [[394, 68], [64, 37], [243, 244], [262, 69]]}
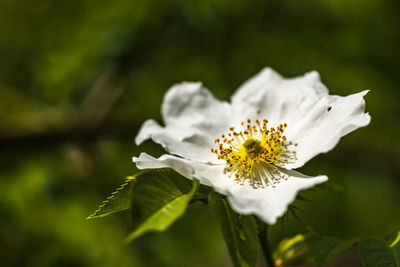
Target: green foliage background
{"points": [[77, 79]]}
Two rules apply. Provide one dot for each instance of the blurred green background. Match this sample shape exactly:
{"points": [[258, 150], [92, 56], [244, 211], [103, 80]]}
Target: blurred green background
{"points": [[77, 79]]}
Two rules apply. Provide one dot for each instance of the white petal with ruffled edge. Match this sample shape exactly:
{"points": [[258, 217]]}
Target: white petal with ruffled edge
{"points": [[316, 121], [270, 203], [269, 95], [192, 117], [321, 129]]}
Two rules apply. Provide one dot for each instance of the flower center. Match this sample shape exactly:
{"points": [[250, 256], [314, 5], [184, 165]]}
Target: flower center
{"points": [[246, 151], [253, 147]]}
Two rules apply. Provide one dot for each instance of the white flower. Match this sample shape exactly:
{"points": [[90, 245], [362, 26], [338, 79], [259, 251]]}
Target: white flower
{"points": [[233, 148]]}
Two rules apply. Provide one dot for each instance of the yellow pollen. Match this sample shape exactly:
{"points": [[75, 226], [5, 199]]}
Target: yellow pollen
{"points": [[254, 144]]}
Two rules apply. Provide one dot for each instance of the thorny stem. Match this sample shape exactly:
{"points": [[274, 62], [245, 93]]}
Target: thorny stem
{"points": [[266, 248]]}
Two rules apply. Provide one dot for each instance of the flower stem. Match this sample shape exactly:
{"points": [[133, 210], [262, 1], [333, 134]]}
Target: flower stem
{"points": [[266, 248]]}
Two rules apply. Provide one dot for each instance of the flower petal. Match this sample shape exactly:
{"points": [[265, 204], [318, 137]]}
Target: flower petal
{"points": [[316, 121], [145, 161], [178, 141], [270, 203], [190, 104], [269, 95], [320, 130], [208, 174], [193, 119]]}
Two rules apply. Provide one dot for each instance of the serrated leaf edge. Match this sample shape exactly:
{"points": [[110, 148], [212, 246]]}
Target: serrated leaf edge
{"points": [[94, 215]]}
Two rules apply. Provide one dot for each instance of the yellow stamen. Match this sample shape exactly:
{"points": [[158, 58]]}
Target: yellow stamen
{"points": [[244, 150]]}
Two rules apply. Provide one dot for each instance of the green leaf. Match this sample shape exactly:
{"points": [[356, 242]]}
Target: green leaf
{"points": [[118, 201], [159, 197], [396, 248], [396, 240], [240, 232], [376, 253], [293, 250], [326, 247]]}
